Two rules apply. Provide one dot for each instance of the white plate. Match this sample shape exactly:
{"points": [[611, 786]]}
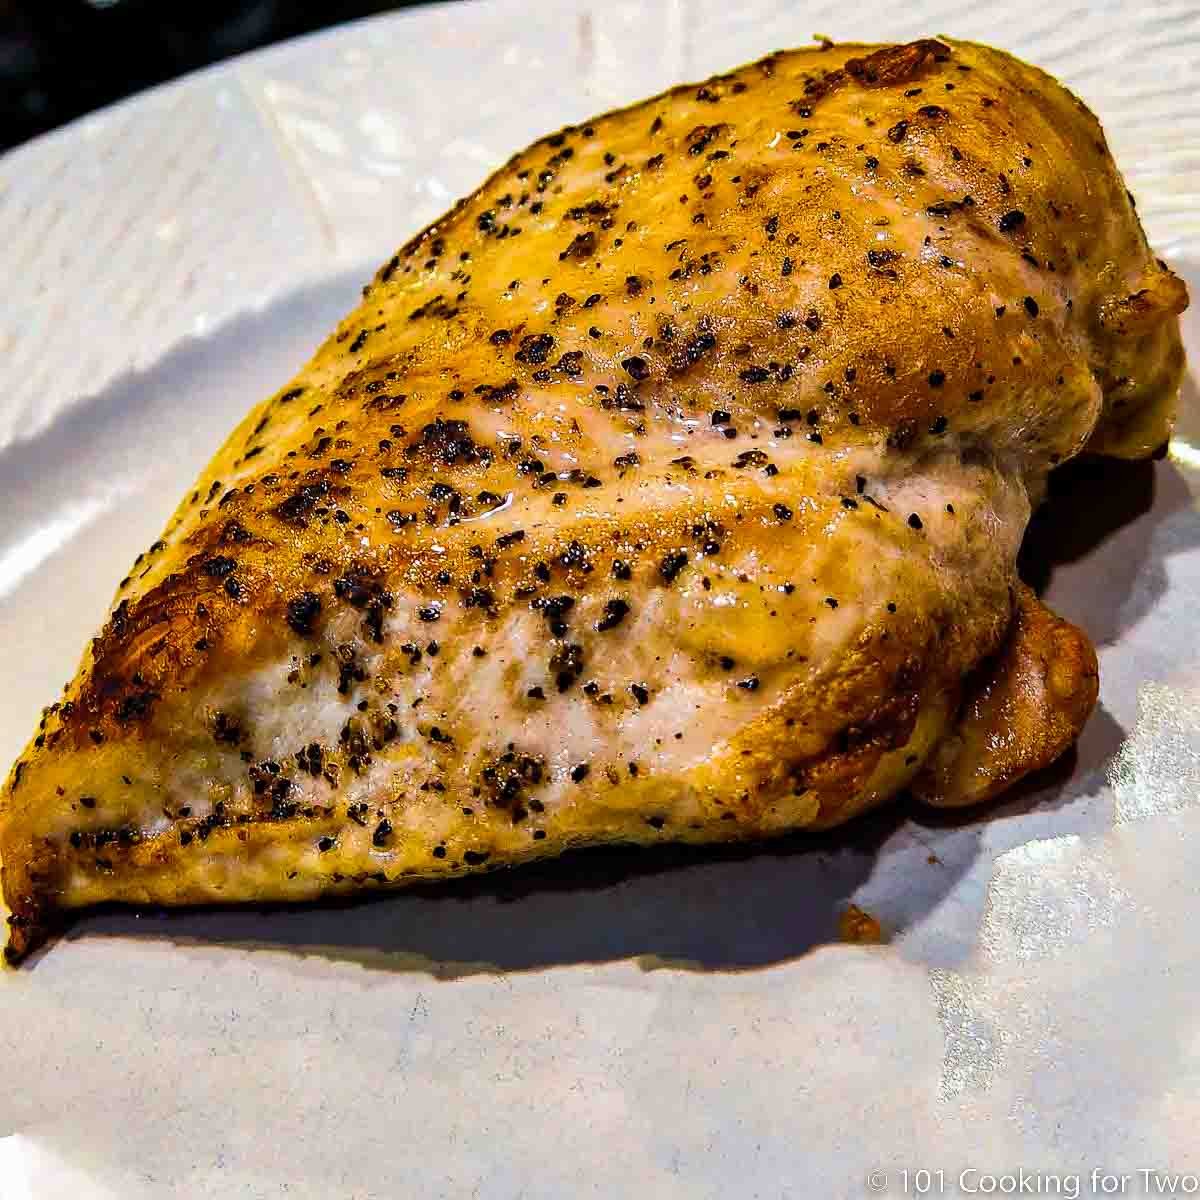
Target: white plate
{"points": [[662, 1025]]}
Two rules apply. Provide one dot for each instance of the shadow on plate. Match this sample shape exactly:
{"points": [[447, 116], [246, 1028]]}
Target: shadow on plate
{"points": [[1099, 518], [724, 908]]}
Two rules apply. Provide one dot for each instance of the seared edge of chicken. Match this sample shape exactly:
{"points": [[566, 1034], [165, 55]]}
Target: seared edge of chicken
{"points": [[1020, 711], [669, 487]]}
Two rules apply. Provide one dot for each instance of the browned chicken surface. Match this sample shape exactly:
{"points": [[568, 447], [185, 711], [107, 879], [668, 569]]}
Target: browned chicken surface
{"points": [[670, 487]]}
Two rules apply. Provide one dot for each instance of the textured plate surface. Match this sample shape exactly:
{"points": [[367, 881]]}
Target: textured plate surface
{"points": [[671, 1024]]}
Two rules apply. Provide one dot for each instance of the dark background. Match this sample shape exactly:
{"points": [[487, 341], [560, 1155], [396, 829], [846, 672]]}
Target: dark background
{"points": [[60, 59]]}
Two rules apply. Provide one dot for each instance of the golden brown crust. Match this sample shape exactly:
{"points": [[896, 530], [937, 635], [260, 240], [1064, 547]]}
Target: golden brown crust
{"points": [[1021, 710], [667, 487]]}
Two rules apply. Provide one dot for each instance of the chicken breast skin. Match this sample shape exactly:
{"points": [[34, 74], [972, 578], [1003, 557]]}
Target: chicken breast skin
{"points": [[670, 487]]}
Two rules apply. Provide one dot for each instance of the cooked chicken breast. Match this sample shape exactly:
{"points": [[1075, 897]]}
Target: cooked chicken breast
{"points": [[670, 487]]}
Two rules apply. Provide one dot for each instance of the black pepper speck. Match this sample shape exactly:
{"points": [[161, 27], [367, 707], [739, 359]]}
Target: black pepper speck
{"points": [[672, 564], [302, 612], [615, 611]]}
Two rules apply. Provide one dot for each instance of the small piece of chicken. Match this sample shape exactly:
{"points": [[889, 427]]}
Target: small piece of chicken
{"points": [[670, 487], [1021, 709]]}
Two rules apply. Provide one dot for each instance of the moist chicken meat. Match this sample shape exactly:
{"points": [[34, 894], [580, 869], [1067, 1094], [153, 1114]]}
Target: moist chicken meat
{"points": [[669, 487]]}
